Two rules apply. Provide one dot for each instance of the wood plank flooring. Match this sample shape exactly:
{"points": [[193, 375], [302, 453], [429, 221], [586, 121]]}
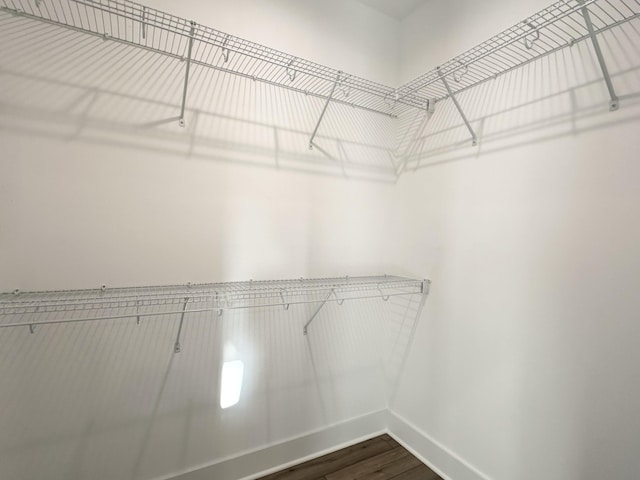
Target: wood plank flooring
{"points": [[381, 458]]}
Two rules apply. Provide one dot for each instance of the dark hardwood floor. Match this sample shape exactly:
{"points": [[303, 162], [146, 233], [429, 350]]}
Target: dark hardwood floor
{"points": [[381, 458]]}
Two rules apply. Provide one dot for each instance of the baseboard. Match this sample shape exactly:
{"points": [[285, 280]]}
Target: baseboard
{"points": [[278, 456], [436, 456]]}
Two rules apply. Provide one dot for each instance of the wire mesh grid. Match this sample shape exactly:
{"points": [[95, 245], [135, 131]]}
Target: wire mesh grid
{"points": [[220, 56], [148, 28], [108, 303], [557, 26]]}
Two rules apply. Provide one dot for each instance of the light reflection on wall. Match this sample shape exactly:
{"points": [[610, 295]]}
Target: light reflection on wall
{"points": [[231, 378]]}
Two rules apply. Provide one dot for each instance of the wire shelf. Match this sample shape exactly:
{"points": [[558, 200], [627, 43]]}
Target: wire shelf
{"points": [[35, 308], [557, 26], [137, 25]]}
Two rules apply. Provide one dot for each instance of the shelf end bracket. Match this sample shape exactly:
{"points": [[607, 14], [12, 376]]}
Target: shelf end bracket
{"points": [[426, 286], [474, 138], [614, 103]]}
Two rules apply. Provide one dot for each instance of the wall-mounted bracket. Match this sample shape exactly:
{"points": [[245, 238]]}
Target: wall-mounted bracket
{"points": [[426, 286], [613, 103], [32, 327], [324, 110], [186, 74], [143, 22], [137, 312], [474, 138], [315, 314], [285, 305], [176, 347]]}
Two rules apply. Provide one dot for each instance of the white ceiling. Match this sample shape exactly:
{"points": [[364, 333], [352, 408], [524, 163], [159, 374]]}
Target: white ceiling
{"points": [[394, 8]]}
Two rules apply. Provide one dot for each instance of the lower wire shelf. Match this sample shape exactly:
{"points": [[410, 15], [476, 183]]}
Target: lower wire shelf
{"points": [[31, 309]]}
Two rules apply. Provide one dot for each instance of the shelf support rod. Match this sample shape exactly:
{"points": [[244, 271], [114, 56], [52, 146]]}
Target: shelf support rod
{"points": [[474, 138], [176, 347], [306, 325], [324, 110], [143, 22], [186, 74], [32, 327], [613, 102]]}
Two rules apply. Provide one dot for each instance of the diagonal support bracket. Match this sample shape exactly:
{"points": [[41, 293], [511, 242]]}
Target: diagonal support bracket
{"points": [[324, 110], [315, 314], [474, 138], [176, 347], [186, 74], [614, 102]]}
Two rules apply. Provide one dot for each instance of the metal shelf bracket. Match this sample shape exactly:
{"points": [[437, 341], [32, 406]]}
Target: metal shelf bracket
{"points": [[305, 329], [426, 286], [143, 23], [186, 74], [613, 102], [474, 138], [176, 347], [137, 312], [324, 110]]}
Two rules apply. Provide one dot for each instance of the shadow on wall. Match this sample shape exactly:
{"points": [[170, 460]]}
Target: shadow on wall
{"points": [[111, 399], [560, 95], [76, 87]]}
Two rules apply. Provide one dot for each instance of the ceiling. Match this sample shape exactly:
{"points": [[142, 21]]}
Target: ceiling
{"points": [[394, 8]]}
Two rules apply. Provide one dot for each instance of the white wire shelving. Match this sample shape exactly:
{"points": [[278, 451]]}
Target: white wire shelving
{"points": [[558, 26], [32, 309], [144, 27], [561, 25]]}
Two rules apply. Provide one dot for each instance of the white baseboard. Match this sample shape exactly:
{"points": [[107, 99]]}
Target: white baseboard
{"points": [[436, 456], [281, 455]]}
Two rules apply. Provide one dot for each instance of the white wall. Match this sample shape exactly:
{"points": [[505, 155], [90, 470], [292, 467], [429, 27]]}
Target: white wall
{"points": [[438, 30], [342, 34], [98, 184], [524, 359], [94, 208], [525, 362]]}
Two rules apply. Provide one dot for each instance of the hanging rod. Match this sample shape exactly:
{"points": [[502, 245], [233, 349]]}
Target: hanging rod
{"points": [[556, 27], [140, 26], [72, 306]]}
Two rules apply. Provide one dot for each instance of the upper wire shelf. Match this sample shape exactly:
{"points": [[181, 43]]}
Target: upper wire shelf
{"points": [[556, 27], [137, 25], [553, 28], [34, 308]]}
